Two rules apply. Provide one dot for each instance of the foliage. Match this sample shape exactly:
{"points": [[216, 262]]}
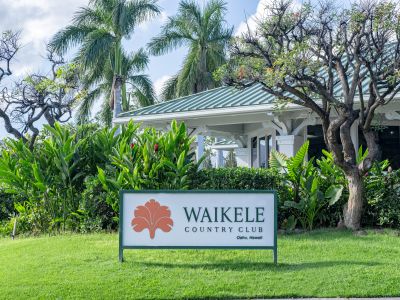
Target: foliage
{"points": [[383, 197], [99, 30], [244, 179], [71, 179], [305, 181], [150, 160], [204, 32]]}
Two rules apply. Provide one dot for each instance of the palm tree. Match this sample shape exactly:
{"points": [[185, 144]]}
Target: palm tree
{"points": [[204, 32], [102, 78], [98, 30]]}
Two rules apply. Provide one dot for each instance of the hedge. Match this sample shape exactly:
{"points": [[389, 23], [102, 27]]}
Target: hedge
{"points": [[244, 179]]}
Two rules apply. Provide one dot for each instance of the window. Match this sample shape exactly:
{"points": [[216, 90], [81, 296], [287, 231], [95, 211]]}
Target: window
{"points": [[276, 144], [317, 143], [254, 152], [263, 152], [265, 144], [388, 139]]}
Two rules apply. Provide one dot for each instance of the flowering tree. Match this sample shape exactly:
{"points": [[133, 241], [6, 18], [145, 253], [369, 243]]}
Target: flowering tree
{"points": [[333, 61]]}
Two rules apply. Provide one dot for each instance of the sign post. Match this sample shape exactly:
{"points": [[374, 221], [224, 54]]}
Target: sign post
{"points": [[198, 220]]}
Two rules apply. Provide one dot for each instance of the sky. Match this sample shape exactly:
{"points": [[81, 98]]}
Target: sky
{"points": [[39, 20]]}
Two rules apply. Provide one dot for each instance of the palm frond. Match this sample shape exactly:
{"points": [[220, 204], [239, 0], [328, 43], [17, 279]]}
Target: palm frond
{"points": [[106, 5], [205, 33], [170, 89], [135, 62], [142, 90], [105, 115], [91, 17], [191, 11], [167, 41], [69, 37], [96, 47], [189, 76], [133, 13], [86, 105]]}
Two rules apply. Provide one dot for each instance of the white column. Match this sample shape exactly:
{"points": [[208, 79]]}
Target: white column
{"points": [[200, 147], [220, 156], [289, 144], [220, 159]]}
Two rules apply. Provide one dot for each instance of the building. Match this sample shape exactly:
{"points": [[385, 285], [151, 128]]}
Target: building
{"points": [[249, 122]]}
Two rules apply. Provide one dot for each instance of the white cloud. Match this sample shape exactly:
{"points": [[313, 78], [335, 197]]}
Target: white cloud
{"points": [[159, 83], [38, 21], [261, 12]]}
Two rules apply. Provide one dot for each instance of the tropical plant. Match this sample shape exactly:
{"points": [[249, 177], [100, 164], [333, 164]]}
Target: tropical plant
{"points": [[45, 179], [204, 32], [72, 177], [149, 160], [306, 183], [382, 187], [99, 30]]}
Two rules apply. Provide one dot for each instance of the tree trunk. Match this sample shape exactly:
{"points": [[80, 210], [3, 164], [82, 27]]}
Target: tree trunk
{"points": [[353, 210], [202, 82], [117, 95]]}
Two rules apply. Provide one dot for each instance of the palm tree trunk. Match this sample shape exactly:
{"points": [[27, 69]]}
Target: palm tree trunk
{"points": [[202, 81], [124, 98], [118, 71], [119, 87], [117, 95], [118, 58]]}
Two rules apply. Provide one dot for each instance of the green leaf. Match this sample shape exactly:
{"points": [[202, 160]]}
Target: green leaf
{"points": [[300, 156], [333, 193], [277, 160], [293, 204]]}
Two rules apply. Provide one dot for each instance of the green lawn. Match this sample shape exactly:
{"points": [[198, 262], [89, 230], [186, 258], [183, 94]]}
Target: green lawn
{"points": [[322, 263]]}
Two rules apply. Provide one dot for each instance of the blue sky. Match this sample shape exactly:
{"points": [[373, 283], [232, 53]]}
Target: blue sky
{"points": [[39, 20]]}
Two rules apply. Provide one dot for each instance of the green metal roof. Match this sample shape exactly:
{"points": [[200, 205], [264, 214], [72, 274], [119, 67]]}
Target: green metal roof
{"points": [[222, 97]]}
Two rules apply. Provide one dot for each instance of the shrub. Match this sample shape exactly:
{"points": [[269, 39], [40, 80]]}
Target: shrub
{"points": [[382, 198], [71, 179], [149, 160], [244, 179], [310, 192]]}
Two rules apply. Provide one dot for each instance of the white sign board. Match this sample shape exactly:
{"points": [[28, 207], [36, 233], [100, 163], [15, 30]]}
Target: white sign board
{"points": [[198, 219]]}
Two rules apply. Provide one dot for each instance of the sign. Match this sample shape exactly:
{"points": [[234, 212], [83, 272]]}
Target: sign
{"points": [[198, 220]]}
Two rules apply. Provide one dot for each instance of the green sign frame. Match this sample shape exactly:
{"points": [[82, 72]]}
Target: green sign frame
{"points": [[274, 247]]}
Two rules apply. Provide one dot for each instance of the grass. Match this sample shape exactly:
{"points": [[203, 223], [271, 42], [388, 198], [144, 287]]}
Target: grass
{"points": [[321, 263]]}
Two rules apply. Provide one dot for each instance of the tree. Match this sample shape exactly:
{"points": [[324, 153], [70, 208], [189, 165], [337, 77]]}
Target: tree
{"points": [[99, 30], [39, 98], [141, 89], [341, 63], [204, 32], [9, 46]]}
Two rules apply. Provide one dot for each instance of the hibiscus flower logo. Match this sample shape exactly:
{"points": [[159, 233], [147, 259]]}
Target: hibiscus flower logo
{"points": [[152, 216]]}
